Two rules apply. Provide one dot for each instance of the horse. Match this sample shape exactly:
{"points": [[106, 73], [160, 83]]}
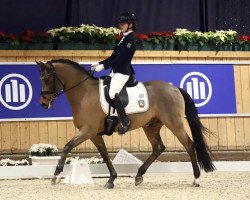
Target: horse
{"points": [[168, 106]]}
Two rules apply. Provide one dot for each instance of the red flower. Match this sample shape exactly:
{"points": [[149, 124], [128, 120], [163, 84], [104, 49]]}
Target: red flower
{"points": [[141, 36], [28, 33], [155, 34], [119, 36], [160, 34], [26, 39], [168, 34], [12, 36], [245, 39], [2, 35], [44, 35]]}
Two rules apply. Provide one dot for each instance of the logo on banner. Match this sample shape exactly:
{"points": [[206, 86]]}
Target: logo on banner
{"points": [[15, 91], [198, 87]]}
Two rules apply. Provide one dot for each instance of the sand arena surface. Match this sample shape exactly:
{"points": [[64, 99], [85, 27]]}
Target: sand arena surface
{"points": [[216, 185]]}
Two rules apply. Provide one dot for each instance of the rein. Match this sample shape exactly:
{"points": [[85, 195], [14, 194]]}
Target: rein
{"points": [[55, 93]]}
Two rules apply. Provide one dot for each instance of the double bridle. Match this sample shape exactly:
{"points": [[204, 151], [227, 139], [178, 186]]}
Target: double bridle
{"points": [[55, 77]]}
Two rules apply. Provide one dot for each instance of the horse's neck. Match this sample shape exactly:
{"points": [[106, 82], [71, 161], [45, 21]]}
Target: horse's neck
{"points": [[72, 77], [77, 84]]}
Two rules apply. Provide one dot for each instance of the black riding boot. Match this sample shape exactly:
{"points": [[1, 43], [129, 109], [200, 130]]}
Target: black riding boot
{"points": [[125, 122]]}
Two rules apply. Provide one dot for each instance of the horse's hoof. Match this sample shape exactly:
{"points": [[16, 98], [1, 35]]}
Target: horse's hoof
{"points": [[196, 183], [55, 180], [138, 180], [109, 185]]}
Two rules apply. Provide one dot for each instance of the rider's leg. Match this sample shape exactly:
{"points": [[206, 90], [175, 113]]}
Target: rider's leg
{"points": [[117, 82]]}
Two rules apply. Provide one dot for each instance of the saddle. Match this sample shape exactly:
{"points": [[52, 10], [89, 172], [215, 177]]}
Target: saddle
{"points": [[123, 95], [133, 96]]}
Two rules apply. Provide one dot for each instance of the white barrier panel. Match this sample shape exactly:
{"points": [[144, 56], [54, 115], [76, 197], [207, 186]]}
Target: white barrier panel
{"points": [[101, 170], [31, 171], [124, 157], [80, 174]]}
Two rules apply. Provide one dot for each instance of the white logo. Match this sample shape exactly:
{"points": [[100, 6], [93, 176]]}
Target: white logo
{"points": [[198, 87], [15, 91]]}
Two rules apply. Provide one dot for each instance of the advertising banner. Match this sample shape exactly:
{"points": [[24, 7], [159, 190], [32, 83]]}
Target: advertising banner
{"points": [[210, 85]]}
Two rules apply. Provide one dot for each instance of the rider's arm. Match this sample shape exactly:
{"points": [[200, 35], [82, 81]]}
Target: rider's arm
{"points": [[122, 55]]}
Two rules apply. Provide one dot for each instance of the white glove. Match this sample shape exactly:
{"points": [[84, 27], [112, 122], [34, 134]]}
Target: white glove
{"points": [[94, 65], [98, 68]]}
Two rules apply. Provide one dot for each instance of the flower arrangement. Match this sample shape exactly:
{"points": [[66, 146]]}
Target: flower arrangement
{"points": [[91, 34], [186, 37], [245, 39], [27, 36], [43, 150], [92, 160], [222, 37], [9, 162], [85, 34], [141, 38]]}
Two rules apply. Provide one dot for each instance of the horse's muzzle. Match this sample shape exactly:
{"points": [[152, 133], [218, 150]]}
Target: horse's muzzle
{"points": [[45, 106]]}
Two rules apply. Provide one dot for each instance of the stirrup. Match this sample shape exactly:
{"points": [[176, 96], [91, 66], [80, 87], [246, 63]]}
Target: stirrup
{"points": [[124, 129]]}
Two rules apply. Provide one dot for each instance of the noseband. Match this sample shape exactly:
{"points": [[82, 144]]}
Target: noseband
{"points": [[55, 77]]}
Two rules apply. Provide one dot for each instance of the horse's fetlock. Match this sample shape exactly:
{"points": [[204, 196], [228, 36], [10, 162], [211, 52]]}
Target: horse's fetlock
{"points": [[59, 169], [114, 176], [141, 172]]}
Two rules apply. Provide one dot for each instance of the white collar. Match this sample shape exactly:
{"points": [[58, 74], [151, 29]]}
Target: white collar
{"points": [[125, 34]]}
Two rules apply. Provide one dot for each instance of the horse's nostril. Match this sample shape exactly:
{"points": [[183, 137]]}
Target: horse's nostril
{"points": [[44, 106]]}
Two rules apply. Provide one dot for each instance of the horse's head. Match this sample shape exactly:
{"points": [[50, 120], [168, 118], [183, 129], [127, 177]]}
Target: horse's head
{"points": [[51, 84]]}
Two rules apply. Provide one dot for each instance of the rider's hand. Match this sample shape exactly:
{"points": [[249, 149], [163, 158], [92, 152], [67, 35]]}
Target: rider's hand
{"points": [[94, 65], [98, 67]]}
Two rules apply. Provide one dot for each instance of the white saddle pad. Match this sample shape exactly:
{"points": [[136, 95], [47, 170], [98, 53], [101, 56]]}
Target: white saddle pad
{"points": [[138, 99]]}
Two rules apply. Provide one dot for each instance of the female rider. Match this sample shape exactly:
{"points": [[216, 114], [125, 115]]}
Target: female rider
{"points": [[120, 64]]}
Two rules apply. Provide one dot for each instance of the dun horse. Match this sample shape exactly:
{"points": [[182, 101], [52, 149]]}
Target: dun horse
{"points": [[168, 105]]}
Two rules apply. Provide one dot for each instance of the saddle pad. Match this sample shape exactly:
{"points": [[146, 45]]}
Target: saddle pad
{"points": [[138, 99]]}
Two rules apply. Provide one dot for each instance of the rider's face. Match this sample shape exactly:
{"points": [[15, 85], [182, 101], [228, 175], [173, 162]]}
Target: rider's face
{"points": [[123, 27]]}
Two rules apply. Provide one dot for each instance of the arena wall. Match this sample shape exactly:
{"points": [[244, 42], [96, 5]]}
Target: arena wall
{"points": [[232, 133]]}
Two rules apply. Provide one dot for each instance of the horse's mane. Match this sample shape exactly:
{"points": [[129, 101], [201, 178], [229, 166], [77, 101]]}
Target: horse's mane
{"points": [[76, 65]]}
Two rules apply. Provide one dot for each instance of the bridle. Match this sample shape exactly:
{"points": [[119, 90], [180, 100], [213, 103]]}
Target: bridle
{"points": [[55, 93]]}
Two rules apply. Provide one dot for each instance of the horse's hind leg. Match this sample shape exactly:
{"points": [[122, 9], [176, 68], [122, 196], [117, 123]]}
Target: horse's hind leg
{"points": [[100, 145], [188, 144], [153, 134]]}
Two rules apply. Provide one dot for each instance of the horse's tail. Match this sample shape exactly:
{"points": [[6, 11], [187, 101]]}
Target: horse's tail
{"points": [[197, 129]]}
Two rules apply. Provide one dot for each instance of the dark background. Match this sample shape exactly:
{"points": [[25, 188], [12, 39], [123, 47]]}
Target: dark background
{"points": [[153, 15]]}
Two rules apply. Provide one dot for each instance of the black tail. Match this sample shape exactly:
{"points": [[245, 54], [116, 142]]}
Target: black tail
{"points": [[197, 129]]}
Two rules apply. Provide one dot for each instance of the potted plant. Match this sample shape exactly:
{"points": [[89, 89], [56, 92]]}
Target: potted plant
{"points": [[84, 37], [222, 40], [44, 154], [160, 41], [9, 162], [168, 40], [8, 41], [242, 43], [142, 41], [185, 39], [27, 40]]}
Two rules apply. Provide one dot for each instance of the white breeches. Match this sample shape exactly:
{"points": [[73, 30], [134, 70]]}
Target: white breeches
{"points": [[118, 80]]}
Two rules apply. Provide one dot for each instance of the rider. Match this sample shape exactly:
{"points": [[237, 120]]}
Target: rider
{"points": [[120, 64]]}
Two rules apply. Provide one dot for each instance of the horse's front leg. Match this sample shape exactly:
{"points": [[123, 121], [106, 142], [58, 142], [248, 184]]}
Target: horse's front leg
{"points": [[75, 141], [100, 145]]}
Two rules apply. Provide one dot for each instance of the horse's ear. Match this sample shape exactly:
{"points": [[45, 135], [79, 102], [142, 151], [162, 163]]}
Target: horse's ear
{"points": [[41, 65]]}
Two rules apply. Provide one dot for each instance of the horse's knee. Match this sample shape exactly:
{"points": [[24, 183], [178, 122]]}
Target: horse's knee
{"points": [[159, 148], [162, 147]]}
